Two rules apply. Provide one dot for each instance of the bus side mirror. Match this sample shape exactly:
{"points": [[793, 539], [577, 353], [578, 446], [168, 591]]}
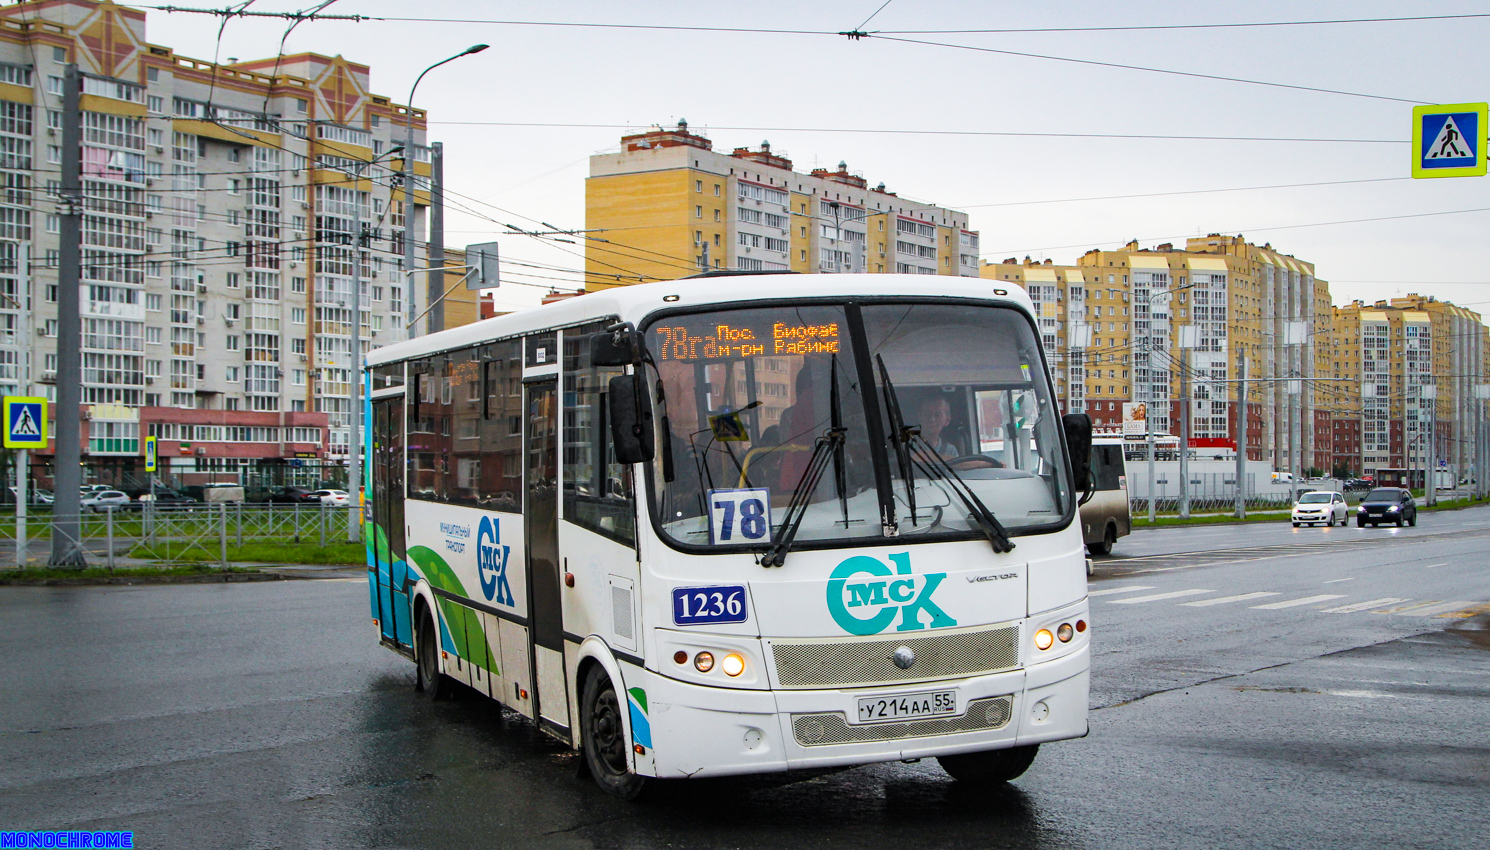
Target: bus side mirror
{"points": [[1078, 427], [617, 345], [630, 419]]}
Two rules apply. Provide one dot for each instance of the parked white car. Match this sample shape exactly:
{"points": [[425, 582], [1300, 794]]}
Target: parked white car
{"points": [[98, 500], [1320, 506], [333, 498]]}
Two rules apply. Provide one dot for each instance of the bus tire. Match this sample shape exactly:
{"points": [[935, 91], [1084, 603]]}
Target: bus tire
{"points": [[989, 767], [603, 736], [1109, 538], [428, 679]]}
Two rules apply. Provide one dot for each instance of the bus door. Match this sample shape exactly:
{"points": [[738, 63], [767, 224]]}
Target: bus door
{"points": [[387, 460], [541, 524]]}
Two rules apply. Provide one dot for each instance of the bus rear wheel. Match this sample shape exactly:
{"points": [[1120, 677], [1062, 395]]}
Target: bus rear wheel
{"points": [[1109, 537], [989, 767], [604, 738], [428, 679]]}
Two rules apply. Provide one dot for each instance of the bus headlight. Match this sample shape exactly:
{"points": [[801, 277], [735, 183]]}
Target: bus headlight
{"points": [[1044, 639], [1065, 633], [703, 662], [732, 665]]}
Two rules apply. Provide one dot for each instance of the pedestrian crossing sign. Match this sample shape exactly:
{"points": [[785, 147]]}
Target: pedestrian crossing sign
{"points": [[150, 456], [1448, 140], [25, 422]]}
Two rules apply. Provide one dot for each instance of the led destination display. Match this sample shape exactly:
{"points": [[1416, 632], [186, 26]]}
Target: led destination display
{"points": [[725, 341]]}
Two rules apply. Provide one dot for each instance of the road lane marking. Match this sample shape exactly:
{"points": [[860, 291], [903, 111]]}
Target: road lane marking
{"points": [[1335, 580], [1424, 609], [1431, 566], [1225, 599], [1478, 608], [1174, 594], [1364, 606], [1112, 590], [1323, 597]]}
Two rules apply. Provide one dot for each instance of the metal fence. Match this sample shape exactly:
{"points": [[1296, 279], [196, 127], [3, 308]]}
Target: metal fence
{"points": [[212, 533]]}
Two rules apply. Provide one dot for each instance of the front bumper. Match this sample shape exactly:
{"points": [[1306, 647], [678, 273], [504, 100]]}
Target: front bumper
{"points": [[701, 731]]}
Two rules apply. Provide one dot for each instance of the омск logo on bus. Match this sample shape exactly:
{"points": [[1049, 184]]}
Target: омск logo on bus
{"points": [[491, 562], [864, 595]]}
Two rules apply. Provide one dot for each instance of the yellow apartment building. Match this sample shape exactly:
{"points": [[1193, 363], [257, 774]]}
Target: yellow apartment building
{"points": [[667, 205]]}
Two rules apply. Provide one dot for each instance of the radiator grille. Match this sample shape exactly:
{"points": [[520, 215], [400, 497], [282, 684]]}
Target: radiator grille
{"points": [[816, 730], [869, 662]]}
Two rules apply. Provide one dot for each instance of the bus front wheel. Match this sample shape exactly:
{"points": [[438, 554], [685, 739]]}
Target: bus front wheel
{"points": [[989, 767], [428, 679], [604, 738]]}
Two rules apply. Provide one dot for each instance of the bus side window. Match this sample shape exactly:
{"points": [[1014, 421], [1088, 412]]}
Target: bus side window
{"points": [[598, 492], [462, 395], [501, 474], [423, 472]]}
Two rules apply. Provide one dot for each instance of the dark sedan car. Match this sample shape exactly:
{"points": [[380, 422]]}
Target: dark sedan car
{"points": [[1387, 504], [293, 496]]}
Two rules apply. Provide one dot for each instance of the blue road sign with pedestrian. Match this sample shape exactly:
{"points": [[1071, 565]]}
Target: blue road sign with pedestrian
{"points": [[25, 422], [1449, 140]]}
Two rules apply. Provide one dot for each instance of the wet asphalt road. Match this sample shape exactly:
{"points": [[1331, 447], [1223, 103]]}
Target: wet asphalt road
{"points": [[264, 715]]}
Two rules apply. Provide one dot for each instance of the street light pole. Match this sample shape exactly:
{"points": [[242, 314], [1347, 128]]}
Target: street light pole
{"points": [[408, 176], [354, 438], [1148, 366]]}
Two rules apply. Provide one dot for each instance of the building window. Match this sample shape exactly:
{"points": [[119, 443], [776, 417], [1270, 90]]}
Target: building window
{"points": [[698, 211], [716, 215], [231, 343], [698, 186]]}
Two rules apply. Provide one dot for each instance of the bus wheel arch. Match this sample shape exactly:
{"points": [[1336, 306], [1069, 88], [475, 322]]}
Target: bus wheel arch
{"points": [[604, 726]]}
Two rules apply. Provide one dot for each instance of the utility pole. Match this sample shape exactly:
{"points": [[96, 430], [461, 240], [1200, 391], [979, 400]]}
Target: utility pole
{"points": [[1241, 433], [23, 457], [435, 282], [1185, 427], [409, 232], [1148, 410], [354, 434], [1430, 452], [67, 548]]}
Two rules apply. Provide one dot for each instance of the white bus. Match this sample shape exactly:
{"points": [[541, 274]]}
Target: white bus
{"points": [[740, 524]]}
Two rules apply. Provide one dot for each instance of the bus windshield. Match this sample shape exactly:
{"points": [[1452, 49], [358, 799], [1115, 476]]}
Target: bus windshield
{"points": [[749, 395]]}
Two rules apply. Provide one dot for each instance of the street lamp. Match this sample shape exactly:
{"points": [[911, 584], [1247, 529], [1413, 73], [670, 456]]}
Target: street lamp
{"points": [[408, 174], [1148, 367], [354, 438]]}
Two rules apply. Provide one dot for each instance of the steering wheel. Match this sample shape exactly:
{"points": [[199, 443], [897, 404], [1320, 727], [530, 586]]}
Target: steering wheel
{"points": [[975, 462]]}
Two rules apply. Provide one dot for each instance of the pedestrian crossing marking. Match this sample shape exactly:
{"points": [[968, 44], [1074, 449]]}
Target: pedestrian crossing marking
{"points": [[1243, 597], [1175, 594], [1111, 590], [1290, 603], [1363, 606]]}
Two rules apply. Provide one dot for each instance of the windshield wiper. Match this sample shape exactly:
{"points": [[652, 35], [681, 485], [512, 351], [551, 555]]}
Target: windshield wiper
{"points": [[900, 438], [910, 444], [826, 447]]}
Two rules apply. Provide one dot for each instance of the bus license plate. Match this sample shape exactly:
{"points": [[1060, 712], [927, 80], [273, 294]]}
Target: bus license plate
{"points": [[907, 706]]}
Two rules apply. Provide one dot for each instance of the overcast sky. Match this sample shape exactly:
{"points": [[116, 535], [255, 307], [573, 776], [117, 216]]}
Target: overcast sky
{"points": [[796, 89]]}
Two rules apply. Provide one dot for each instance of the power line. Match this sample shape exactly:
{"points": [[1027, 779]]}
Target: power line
{"points": [[1161, 27], [1008, 251], [961, 207], [915, 132], [1168, 71]]}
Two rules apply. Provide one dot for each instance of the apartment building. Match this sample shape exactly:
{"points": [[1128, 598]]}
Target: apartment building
{"points": [[223, 204], [1124, 324], [667, 205], [1402, 375]]}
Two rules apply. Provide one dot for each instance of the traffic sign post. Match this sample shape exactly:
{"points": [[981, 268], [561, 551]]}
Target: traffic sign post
{"points": [[150, 454], [1448, 140], [25, 428]]}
